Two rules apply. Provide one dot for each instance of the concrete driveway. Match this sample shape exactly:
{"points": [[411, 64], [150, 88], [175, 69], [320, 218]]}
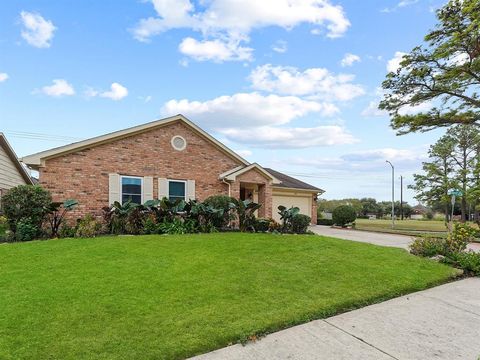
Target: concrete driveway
{"points": [[383, 239], [393, 240], [439, 323]]}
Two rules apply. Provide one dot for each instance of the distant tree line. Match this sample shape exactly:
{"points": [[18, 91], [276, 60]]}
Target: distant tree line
{"points": [[367, 206]]}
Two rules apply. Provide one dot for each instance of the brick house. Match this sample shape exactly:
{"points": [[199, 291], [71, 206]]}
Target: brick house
{"points": [[171, 158]]}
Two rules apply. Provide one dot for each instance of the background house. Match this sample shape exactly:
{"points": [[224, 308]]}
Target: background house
{"points": [[12, 173]]}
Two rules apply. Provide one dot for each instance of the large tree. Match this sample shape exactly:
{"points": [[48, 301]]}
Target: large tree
{"points": [[466, 139], [432, 186], [441, 76]]}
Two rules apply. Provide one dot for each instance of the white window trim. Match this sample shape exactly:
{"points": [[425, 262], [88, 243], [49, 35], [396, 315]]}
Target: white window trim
{"points": [[131, 177], [175, 180], [173, 143]]}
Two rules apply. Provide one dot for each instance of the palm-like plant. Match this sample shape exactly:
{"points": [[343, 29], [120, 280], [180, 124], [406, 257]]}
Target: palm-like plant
{"points": [[245, 210]]}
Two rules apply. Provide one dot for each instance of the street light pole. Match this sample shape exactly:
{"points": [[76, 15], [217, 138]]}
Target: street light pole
{"points": [[393, 194]]}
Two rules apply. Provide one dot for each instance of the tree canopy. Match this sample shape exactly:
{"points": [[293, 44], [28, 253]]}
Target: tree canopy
{"points": [[437, 83]]}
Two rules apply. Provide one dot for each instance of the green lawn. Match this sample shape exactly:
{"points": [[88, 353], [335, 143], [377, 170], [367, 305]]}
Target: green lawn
{"points": [[167, 297]]}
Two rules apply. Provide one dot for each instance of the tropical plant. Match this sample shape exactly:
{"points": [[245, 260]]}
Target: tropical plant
{"points": [[344, 215], [245, 210], [206, 216], [286, 216], [26, 203], [221, 202], [56, 213], [116, 216]]}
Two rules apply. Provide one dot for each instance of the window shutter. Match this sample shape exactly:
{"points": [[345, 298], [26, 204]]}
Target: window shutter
{"points": [[191, 190], [113, 188], [147, 188], [162, 188]]}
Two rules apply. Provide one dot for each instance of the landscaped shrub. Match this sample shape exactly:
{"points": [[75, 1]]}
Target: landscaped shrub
{"points": [[326, 222], [469, 262], [300, 223], [428, 246], [116, 217], [225, 203], [26, 230], [3, 227], [274, 226], [88, 226], [262, 224], [26, 204], [459, 238], [176, 226], [67, 231], [343, 215]]}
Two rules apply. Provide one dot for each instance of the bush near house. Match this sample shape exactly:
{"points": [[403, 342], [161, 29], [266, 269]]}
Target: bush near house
{"points": [[344, 215], [27, 206]]}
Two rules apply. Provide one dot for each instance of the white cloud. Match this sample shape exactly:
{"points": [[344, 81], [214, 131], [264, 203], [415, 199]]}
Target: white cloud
{"points": [[399, 5], [372, 110], [316, 82], [3, 77], [280, 46], [233, 19], [215, 50], [349, 60], [60, 87], [280, 137], [394, 63], [247, 109], [116, 92], [36, 30], [244, 153]]}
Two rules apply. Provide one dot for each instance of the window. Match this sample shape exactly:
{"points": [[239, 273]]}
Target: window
{"points": [[131, 189], [179, 143], [176, 190]]}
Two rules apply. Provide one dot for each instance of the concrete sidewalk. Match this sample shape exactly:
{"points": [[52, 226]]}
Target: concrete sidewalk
{"points": [[439, 323]]}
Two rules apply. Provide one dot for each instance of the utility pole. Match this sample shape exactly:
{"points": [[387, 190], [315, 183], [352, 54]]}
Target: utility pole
{"points": [[401, 196], [393, 194]]}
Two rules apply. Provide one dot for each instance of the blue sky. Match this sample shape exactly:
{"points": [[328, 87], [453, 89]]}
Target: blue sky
{"points": [[292, 85]]}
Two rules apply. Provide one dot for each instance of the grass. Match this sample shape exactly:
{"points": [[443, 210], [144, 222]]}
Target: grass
{"points": [[170, 297], [405, 227]]}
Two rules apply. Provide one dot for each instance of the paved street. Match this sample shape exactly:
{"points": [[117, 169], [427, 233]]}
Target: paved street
{"points": [[439, 323]]}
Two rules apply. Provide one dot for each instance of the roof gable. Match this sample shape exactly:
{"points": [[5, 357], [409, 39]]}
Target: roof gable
{"points": [[232, 174], [38, 159], [13, 158]]}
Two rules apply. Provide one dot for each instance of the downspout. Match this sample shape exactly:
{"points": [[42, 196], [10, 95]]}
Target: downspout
{"points": [[229, 187]]}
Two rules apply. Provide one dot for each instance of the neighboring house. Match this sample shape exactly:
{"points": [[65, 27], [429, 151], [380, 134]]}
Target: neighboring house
{"points": [[12, 173], [419, 212], [171, 158]]}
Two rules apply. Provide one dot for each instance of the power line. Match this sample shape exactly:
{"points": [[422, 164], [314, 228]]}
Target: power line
{"points": [[40, 136]]}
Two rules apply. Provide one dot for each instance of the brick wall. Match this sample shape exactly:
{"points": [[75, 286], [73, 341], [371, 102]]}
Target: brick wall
{"points": [[83, 175]]}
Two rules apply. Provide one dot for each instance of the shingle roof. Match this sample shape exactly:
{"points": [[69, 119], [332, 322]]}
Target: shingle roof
{"points": [[290, 182]]}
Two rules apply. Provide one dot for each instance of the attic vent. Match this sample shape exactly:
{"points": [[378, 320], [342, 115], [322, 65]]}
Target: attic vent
{"points": [[179, 143]]}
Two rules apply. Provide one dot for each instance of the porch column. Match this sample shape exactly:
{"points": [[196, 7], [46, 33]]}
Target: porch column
{"points": [[265, 198]]}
